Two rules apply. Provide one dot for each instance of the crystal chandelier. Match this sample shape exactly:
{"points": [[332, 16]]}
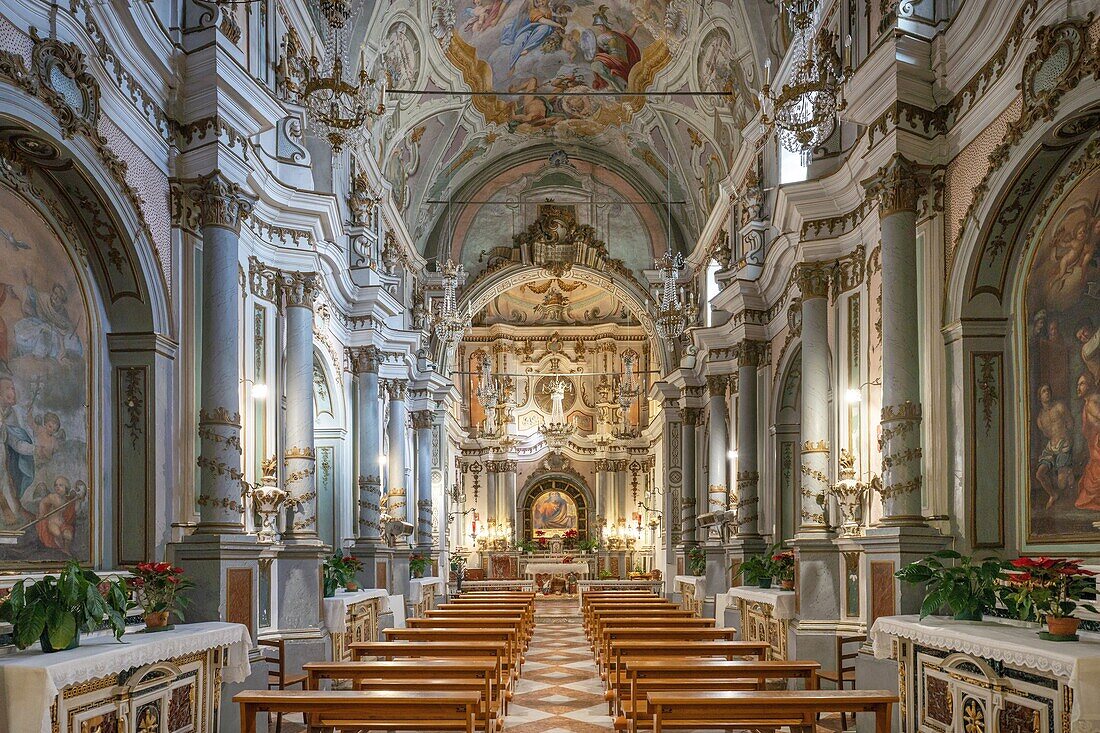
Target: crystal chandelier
{"points": [[448, 322], [628, 391], [557, 432], [339, 104], [488, 388], [804, 112], [677, 307]]}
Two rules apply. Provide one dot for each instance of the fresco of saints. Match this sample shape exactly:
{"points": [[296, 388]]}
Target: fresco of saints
{"points": [[1055, 472], [1088, 488], [534, 28], [615, 55], [16, 454], [46, 331], [552, 511]]}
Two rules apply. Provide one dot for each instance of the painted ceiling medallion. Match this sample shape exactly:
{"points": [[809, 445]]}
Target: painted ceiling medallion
{"points": [[545, 58]]}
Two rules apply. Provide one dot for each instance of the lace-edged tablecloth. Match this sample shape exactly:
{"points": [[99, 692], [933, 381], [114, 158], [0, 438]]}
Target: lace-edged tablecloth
{"points": [[694, 581], [417, 586], [1077, 662], [556, 568], [781, 600], [30, 680], [336, 607]]}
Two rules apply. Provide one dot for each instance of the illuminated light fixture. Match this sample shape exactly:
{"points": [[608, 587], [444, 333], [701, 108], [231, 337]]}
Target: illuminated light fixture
{"points": [[557, 432], [259, 392], [732, 455], [448, 323], [853, 396], [677, 307], [340, 104], [804, 112]]}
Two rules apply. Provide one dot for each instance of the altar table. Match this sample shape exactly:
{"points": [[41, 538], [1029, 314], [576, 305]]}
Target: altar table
{"points": [[353, 617], [766, 614], [167, 681], [557, 568], [953, 673]]}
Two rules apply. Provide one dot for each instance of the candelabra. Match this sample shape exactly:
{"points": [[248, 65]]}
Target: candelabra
{"points": [[804, 112], [448, 322], [339, 105], [557, 432], [677, 307]]}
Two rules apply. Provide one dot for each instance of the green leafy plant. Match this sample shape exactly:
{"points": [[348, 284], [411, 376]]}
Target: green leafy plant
{"points": [[54, 610], [588, 544], [755, 570], [606, 575], [418, 564], [527, 547], [697, 561], [782, 563], [339, 570], [158, 587], [969, 587], [1041, 587]]}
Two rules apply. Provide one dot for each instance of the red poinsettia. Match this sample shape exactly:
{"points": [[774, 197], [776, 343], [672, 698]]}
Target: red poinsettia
{"points": [[1046, 586], [157, 587]]}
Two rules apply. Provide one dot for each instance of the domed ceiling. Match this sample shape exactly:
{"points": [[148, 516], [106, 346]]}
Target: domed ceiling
{"points": [[499, 107]]}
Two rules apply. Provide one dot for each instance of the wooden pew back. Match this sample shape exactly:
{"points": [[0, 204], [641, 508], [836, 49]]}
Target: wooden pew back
{"points": [[386, 710]]}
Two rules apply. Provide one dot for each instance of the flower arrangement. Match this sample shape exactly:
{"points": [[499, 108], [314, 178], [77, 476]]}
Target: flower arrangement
{"points": [[782, 562], [418, 564], [1038, 588], [54, 610], [340, 570], [569, 538], [158, 588], [697, 561], [541, 539], [969, 588]]}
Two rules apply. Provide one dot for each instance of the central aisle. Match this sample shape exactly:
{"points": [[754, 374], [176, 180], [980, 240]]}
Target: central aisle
{"points": [[560, 689]]}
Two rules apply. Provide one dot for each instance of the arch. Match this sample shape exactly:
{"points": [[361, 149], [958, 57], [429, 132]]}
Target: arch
{"points": [[787, 431], [569, 489]]}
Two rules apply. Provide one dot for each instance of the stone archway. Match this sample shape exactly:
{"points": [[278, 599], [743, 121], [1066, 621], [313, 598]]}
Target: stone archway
{"points": [[572, 501]]}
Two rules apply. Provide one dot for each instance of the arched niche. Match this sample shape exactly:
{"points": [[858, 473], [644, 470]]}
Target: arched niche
{"points": [[88, 354], [787, 442], [1008, 334], [554, 503]]}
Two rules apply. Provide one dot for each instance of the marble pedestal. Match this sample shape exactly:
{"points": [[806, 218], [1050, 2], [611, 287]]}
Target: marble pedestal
{"points": [[885, 551], [718, 573], [819, 581], [225, 569], [298, 600], [377, 561]]}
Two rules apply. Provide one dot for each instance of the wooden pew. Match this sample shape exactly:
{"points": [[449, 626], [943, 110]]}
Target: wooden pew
{"points": [[764, 709], [475, 622], [624, 652], [434, 674], [649, 675], [510, 636], [454, 609], [452, 649], [653, 617], [595, 611], [613, 634], [354, 710]]}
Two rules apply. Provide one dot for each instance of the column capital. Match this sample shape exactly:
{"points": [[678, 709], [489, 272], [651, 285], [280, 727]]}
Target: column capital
{"points": [[717, 384], [397, 389], [422, 419], [691, 415], [363, 359], [212, 200], [749, 353], [897, 186], [299, 289], [813, 279]]}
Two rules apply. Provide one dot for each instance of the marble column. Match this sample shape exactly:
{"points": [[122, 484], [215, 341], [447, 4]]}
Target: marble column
{"points": [[220, 206], [506, 486], [604, 499], [717, 444], [492, 495], [897, 189], [813, 281], [422, 422], [749, 356], [397, 504], [299, 290], [364, 361], [689, 419]]}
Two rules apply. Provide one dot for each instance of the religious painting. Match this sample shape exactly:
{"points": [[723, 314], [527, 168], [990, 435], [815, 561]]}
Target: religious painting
{"points": [[1062, 307], [401, 57], [45, 481], [545, 58], [719, 71], [553, 513]]}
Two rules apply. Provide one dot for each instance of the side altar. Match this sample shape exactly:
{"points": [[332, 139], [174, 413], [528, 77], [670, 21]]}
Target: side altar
{"points": [[989, 676]]}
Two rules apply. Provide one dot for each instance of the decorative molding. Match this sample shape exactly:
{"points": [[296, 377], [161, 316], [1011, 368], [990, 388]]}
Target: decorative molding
{"points": [[210, 200], [813, 279], [897, 186], [299, 289]]}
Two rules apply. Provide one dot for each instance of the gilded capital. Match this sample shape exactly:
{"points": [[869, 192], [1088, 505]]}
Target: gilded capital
{"points": [[897, 186], [717, 384], [749, 353], [363, 359], [397, 389], [691, 415], [213, 200], [422, 419], [300, 289], [813, 279]]}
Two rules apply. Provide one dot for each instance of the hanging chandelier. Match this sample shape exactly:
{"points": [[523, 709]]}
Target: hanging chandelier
{"points": [[557, 432], [677, 307], [804, 112], [448, 322], [340, 104], [628, 392], [488, 388]]}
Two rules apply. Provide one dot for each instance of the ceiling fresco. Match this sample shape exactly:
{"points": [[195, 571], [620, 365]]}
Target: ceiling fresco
{"points": [[555, 302], [552, 83]]}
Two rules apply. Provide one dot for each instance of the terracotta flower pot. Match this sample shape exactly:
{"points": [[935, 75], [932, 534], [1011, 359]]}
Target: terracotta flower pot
{"points": [[1063, 625], [156, 620], [351, 586], [786, 584]]}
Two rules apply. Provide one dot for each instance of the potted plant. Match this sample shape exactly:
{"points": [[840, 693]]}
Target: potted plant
{"points": [[418, 565], [569, 539], [756, 570], [339, 570], [588, 545], [782, 562], [54, 610], [352, 567], [158, 588], [1048, 588], [968, 588], [527, 547], [697, 561], [541, 540]]}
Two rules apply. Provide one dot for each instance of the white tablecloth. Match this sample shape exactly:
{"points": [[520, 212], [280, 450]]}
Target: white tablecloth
{"points": [[556, 568], [417, 586], [30, 680], [397, 608], [1077, 662], [698, 584], [336, 608], [781, 600]]}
